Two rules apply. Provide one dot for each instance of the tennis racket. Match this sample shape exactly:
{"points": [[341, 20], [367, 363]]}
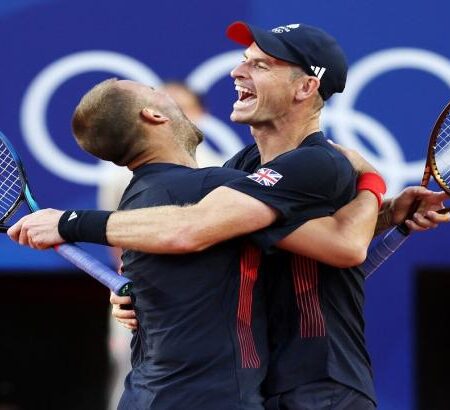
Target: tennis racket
{"points": [[14, 190], [438, 166]]}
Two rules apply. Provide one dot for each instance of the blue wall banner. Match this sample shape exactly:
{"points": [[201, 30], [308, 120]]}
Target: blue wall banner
{"points": [[53, 51]]}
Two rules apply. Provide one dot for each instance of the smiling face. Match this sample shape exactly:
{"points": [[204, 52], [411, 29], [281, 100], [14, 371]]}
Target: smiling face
{"points": [[266, 88]]}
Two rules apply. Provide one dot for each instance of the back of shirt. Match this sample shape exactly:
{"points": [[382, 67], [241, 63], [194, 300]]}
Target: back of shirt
{"points": [[201, 343]]}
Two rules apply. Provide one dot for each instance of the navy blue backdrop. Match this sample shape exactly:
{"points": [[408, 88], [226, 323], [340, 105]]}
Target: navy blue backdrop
{"points": [[54, 50]]}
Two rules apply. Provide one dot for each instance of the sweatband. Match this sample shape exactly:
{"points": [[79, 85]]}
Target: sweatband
{"points": [[84, 226], [374, 183]]}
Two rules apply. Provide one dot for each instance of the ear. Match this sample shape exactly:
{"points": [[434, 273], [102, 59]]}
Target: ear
{"points": [[306, 87], [153, 116]]}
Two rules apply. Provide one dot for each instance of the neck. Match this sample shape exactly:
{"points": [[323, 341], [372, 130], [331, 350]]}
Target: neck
{"points": [[166, 155], [277, 138]]}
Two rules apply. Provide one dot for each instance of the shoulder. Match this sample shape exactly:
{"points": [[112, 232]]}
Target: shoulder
{"points": [[223, 171], [315, 153], [215, 177], [303, 159]]}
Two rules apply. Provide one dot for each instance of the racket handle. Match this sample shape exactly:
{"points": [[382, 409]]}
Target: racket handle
{"points": [[120, 285], [382, 250]]}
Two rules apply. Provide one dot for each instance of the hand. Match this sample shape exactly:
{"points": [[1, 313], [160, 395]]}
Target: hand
{"points": [[426, 216], [38, 230], [359, 163], [126, 317]]}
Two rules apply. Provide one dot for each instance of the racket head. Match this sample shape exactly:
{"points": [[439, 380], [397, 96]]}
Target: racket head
{"points": [[11, 179], [13, 182], [438, 159]]}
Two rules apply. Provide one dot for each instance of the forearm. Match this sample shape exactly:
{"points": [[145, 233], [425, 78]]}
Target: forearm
{"points": [[166, 229], [340, 240], [384, 220], [221, 215]]}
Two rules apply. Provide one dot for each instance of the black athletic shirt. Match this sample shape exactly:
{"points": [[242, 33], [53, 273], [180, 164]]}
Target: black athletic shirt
{"points": [[316, 325], [202, 341]]}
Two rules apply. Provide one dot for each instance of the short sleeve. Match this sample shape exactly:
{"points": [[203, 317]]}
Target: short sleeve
{"points": [[293, 183], [217, 177], [301, 185]]}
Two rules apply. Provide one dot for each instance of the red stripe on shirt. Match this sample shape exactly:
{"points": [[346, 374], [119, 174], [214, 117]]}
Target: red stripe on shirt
{"points": [[250, 261], [306, 282]]}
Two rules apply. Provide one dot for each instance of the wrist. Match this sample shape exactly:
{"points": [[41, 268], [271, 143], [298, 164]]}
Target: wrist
{"points": [[84, 226], [373, 182]]}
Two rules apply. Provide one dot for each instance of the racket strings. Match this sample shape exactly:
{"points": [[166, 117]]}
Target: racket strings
{"points": [[442, 151], [10, 181]]}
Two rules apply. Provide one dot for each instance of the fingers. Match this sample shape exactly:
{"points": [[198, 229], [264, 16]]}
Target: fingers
{"points": [[431, 197], [119, 300], [119, 313], [38, 230], [422, 193], [424, 222], [131, 326], [415, 193], [126, 317], [14, 231], [442, 196], [437, 218], [18, 232]]}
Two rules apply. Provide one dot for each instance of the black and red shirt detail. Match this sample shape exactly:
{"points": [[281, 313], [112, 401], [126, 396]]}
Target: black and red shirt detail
{"points": [[316, 325]]}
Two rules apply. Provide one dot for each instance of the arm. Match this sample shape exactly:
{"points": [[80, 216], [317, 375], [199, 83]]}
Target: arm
{"points": [[340, 240], [221, 215]]}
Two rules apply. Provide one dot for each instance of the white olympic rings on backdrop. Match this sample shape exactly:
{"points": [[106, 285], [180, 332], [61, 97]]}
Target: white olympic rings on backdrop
{"points": [[346, 123], [37, 97], [44, 85], [340, 116]]}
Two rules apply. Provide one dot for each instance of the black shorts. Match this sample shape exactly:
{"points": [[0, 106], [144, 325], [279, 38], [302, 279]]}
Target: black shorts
{"points": [[320, 395]]}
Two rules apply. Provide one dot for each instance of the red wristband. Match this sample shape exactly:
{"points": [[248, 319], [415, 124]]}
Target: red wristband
{"points": [[374, 183]]}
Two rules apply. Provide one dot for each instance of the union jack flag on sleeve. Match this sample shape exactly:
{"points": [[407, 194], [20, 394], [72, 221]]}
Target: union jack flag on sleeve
{"points": [[265, 176]]}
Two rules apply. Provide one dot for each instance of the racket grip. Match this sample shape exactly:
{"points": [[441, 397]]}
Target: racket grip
{"points": [[120, 285], [382, 250]]}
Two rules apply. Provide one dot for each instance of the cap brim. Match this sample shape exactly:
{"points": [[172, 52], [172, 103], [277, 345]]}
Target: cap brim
{"points": [[245, 34], [240, 33]]}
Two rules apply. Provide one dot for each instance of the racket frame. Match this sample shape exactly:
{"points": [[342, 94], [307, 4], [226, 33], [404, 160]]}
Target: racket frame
{"points": [[392, 240], [119, 284], [431, 166]]}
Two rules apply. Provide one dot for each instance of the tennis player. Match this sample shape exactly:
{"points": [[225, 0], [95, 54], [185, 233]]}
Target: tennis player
{"points": [[198, 346], [318, 355]]}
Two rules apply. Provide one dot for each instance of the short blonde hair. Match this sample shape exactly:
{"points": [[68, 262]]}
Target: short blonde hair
{"points": [[105, 122]]}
